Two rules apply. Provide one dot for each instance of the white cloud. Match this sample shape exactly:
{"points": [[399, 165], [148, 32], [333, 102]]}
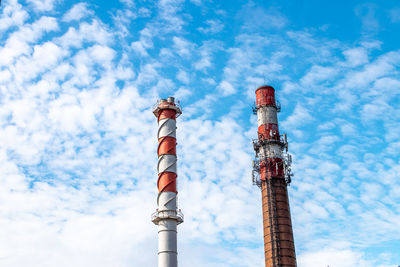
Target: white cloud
{"points": [[43, 57], [214, 26], [315, 210], [183, 47], [138, 47], [18, 43], [333, 258], [380, 67], [12, 15], [258, 18], [367, 14], [77, 12], [348, 129], [145, 42], [42, 5], [300, 116], [326, 126], [183, 93], [248, 62], [183, 76], [226, 88], [196, 2], [206, 55], [356, 56], [102, 54], [87, 33], [129, 3], [319, 51], [169, 15], [318, 74]]}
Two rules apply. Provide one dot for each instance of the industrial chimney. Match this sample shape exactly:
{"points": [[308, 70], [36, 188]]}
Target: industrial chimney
{"points": [[271, 172], [167, 216]]}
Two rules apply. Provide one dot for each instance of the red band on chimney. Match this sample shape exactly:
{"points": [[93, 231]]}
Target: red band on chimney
{"points": [[268, 131], [265, 96], [167, 182]]}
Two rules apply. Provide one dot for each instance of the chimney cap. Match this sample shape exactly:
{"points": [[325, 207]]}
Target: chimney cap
{"points": [[265, 87]]}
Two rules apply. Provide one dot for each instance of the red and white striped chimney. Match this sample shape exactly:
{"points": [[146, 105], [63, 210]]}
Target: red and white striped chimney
{"points": [[167, 216], [271, 172]]}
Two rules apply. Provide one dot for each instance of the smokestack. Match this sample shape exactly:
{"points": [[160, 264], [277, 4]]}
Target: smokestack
{"points": [[271, 172], [167, 216]]}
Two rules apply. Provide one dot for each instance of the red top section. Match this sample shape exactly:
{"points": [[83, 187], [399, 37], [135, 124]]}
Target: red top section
{"points": [[265, 96], [170, 107], [167, 114]]}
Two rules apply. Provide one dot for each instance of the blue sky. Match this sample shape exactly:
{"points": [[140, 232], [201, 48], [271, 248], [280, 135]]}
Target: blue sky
{"points": [[78, 139]]}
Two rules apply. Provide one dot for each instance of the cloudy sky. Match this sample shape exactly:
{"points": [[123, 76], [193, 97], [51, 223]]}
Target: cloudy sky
{"points": [[78, 139]]}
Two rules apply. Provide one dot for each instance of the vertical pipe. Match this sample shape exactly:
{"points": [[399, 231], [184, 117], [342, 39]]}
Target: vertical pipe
{"points": [[273, 167], [167, 217]]}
